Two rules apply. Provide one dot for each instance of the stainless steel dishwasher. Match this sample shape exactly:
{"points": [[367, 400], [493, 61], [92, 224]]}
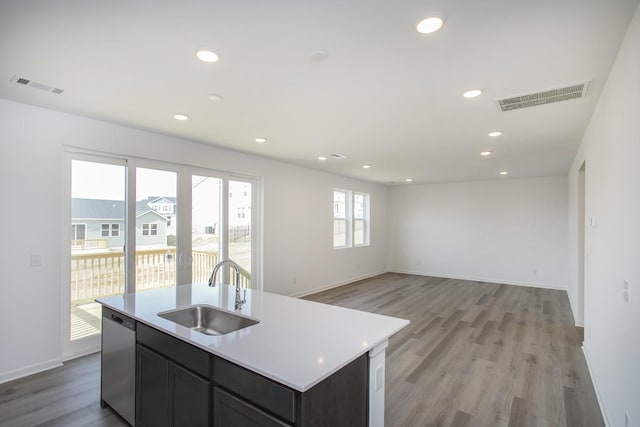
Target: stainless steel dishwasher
{"points": [[118, 382]]}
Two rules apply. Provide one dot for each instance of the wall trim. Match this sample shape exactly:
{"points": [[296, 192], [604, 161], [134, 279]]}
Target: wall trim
{"points": [[603, 410], [30, 370], [83, 352], [337, 285], [479, 279]]}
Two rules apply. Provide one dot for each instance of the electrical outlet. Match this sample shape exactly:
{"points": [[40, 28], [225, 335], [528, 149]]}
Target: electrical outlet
{"points": [[379, 377]]}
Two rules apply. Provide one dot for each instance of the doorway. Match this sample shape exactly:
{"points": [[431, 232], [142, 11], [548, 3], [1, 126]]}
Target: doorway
{"points": [[581, 242]]}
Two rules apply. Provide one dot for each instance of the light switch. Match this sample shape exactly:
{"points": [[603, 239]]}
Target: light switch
{"points": [[593, 222]]}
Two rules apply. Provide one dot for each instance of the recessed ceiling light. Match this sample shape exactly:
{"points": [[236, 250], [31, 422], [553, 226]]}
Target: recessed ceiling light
{"points": [[408, 179], [214, 97], [181, 117], [366, 166], [429, 25], [261, 140], [472, 93], [495, 133], [322, 157], [206, 55], [504, 173], [485, 153]]}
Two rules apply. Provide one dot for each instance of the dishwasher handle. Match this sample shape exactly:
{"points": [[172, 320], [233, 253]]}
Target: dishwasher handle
{"points": [[119, 319]]}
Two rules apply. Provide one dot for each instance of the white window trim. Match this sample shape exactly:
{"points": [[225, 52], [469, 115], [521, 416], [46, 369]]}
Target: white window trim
{"points": [[350, 219]]}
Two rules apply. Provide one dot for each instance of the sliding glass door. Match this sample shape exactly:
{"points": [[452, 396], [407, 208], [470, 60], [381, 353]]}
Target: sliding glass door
{"points": [[180, 222], [96, 243], [206, 232], [156, 220]]}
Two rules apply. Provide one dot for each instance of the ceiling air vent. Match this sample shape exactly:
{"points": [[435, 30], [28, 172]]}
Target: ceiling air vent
{"points": [[28, 82], [575, 91], [337, 156]]}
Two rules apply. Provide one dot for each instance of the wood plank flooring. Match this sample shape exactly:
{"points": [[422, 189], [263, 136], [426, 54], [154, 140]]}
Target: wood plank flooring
{"points": [[475, 354], [68, 396]]}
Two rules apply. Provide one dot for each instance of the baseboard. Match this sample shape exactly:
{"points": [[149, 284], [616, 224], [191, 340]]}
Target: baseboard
{"points": [[479, 279], [336, 285], [603, 410], [30, 370], [83, 352]]}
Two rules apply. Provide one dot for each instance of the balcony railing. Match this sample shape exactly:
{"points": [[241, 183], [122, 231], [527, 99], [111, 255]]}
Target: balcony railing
{"points": [[102, 274]]}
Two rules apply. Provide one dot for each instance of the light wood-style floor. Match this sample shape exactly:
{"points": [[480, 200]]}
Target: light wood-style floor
{"points": [[475, 354]]}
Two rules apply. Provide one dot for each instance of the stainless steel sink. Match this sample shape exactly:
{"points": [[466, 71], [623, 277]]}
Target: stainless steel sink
{"points": [[207, 320]]}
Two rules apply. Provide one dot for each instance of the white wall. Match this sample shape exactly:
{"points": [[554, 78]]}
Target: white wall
{"points": [[297, 234], [505, 230], [611, 150]]}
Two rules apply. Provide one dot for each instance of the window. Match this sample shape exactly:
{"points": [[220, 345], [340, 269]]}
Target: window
{"points": [[350, 219], [360, 219], [149, 229], [78, 231], [241, 213], [112, 230], [340, 220]]}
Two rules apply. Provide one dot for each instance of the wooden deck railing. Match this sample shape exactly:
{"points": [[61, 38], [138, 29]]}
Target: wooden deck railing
{"points": [[103, 274]]}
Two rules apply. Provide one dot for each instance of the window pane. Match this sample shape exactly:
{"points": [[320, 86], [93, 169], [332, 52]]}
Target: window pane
{"points": [[358, 206], [339, 233], [358, 232], [205, 226], [339, 204], [97, 259], [155, 261]]}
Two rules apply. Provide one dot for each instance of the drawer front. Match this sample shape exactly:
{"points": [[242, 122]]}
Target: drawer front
{"points": [[229, 411], [263, 392], [199, 361]]}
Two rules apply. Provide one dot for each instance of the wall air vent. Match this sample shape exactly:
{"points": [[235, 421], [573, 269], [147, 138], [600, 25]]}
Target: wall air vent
{"points": [[515, 102], [337, 156], [28, 82]]}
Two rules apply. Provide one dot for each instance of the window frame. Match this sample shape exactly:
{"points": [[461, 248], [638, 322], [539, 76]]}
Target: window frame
{"points": [[365, 218], [350, 218]]}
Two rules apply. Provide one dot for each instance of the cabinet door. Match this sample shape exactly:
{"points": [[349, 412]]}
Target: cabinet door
{"points": [[229, 411], [189, 398], [151, 389]]}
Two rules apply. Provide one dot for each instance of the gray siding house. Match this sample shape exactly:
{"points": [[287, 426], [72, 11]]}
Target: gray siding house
{"points": [[99, 224]]}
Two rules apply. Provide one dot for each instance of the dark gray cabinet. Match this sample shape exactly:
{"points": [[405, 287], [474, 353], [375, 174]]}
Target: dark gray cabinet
{"points": [[152, 391], [178, 384], [230, 411], [167, 393]]}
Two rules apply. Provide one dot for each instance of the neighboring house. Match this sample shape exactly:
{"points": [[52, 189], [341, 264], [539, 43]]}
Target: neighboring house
{"points": [[100, 223]]}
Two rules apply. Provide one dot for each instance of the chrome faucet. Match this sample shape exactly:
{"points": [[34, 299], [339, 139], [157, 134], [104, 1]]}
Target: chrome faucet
{"points": [[214, 273]]}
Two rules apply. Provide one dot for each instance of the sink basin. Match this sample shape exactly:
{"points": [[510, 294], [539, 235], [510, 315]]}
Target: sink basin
{"points": [[207, 320]]}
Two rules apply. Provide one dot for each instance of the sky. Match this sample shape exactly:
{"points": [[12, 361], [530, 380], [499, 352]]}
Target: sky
{"points": [[107, 182]]}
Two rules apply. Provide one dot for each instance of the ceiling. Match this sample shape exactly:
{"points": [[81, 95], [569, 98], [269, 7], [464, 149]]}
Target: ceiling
{"points": [[386, 95]]}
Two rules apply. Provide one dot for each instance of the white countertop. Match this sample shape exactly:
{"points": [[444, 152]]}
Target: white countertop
{"points": [[297, 343]]}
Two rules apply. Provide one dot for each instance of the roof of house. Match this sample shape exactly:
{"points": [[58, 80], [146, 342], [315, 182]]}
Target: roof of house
{"points": [[110, 209]]}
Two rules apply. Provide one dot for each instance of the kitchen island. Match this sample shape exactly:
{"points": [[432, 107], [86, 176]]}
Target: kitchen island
{"points": [[301, 346]]}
